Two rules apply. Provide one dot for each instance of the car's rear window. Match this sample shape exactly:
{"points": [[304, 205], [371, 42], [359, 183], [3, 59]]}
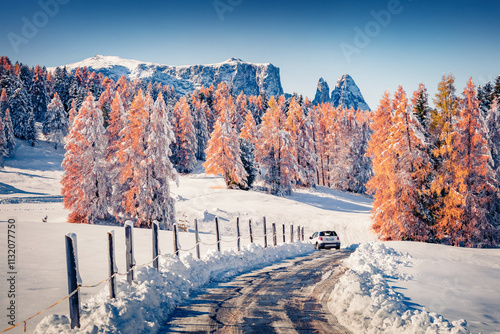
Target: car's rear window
{"points": [[328, 234]]}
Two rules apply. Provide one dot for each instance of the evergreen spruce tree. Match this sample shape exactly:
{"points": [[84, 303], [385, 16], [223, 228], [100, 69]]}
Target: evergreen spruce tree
{"points": [[10, 142], [39, 97], [61, 82], [56, 124], [200, 111], [4, 152]]}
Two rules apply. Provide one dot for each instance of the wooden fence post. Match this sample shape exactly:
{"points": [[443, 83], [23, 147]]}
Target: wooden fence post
{"points": [[112, 264], [238, 234], [217, 233], [298, 233], [250, 230], [155, 227], [176, 240], [197, 238], [274, 235], [302, 233], [265, 233], [291, 233], [129, 253], [73, 279], [284, 238]]}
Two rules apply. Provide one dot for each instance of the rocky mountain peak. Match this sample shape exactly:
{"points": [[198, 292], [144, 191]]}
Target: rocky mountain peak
{"points": [[322, 92], [346, 93]]}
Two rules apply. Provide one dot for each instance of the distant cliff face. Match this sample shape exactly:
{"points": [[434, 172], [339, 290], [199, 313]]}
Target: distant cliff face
{"points": [[346, 93], [250, 78]]}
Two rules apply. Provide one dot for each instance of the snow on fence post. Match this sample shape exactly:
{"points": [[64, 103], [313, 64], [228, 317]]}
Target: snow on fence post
{"points": [[274, 235], [155, 227], [176, 240], [265, 233], [238, 234], [250, 230], [197, 238], [284, 238], [129, 253], [291, 233], [112, 264], [74, 280], [217, 233]]}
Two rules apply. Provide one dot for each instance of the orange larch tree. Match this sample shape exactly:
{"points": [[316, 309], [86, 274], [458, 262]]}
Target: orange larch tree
{"points": [[84, 179], [275, 151], [223, 151]]}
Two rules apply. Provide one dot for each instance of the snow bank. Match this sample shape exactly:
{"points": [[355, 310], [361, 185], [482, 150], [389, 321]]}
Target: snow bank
{"points": [[364, 302], [144, 306]]}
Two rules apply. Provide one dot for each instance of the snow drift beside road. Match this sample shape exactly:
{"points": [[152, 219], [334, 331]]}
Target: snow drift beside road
{"points": [[364, 301]]}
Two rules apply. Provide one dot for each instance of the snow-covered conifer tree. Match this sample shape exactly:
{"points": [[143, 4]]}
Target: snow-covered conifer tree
{"points": [[84, 180], [223, 151], [56, 124], [200, 111], [10, 142], [275, 151], [300, 134], [185, 145]]}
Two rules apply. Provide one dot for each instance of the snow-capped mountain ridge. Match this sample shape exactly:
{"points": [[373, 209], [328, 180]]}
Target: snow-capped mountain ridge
{"points": [[251, 78]]}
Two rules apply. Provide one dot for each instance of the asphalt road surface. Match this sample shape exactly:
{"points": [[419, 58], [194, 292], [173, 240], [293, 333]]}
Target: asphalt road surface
{"points": [[288, 297]]}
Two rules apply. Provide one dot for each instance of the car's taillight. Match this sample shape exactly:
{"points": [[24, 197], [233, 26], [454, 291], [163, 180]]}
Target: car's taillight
{"points": [[320, 238]]}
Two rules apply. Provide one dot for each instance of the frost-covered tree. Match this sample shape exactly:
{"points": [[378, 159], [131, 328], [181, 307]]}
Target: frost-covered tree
{"points": [[39, 97], [56, 124], [61, 82], [200, 112], [117, 121], [467, 182], [185, 136], [10, 142], [378, 151], [105, 100], [8, 130], [223, 151], [84, 179], [300, 134], [240, 110], [145, 168], [492, 125], [248, 137], [3, 143], [407, 166], [275, 152], [321, 118], [23, 119], [160, 136]]}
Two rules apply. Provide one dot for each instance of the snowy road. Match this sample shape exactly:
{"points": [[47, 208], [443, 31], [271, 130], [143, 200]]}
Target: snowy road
{"points": [[288, 297]]}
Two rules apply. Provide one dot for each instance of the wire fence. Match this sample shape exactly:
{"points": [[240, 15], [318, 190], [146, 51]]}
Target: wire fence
{"points": [[253, 236]]}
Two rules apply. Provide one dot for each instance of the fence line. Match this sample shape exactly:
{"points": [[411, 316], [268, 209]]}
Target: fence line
{"points": [[135, 266]]}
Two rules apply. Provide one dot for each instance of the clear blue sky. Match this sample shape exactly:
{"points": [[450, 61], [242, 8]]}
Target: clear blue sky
{"points": [[419, 42]]}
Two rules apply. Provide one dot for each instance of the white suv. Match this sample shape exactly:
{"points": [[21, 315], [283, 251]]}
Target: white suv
{"points": [[325, 239]]}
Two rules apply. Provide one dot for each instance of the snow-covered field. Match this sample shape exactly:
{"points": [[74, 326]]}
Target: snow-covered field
{"points": [[388, 285]]}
